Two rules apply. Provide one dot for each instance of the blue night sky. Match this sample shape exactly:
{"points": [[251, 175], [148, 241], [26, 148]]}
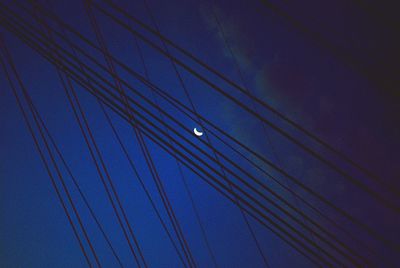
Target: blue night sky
{"points": [[336, 75]]}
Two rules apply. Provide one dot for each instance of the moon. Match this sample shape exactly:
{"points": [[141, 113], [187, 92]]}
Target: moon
{"points": [[197, 133]]}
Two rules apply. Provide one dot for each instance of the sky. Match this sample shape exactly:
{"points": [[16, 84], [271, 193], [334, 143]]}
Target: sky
{"points": [[330, 67]]}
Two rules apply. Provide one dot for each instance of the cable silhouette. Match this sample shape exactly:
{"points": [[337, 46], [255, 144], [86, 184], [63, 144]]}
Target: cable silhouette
{"points": [[234, 85], [289, 242], [164, 134], [182, 176], [132, 165], [247, 88], [52, 158], [143, 146], [188, 97], [45, 163], [75, 110], [263, 159]]}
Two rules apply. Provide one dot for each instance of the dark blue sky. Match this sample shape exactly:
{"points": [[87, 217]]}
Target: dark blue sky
{"points": [[348, 101]]}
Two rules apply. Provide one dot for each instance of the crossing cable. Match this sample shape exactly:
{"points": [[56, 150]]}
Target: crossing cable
{"points": [[276, 226], [69, 171], [273, 150], [206, 177], [146, 153], [44, 161], [234, 199], [94, 158], [261, 158], [183, 86], [84, 198], [53, 161], [75, 110], [138, 104], [119, 111], [233, 84], [212, 85], [338, 227], [108, 119], [245, 86], [203, 177], [87, 8], [94, 143], [182, 176], [133, 167], [186, 111], [143, 146]]}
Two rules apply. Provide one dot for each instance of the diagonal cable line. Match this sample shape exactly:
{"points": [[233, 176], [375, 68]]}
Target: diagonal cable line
{"points": [[245, 86], [309, 134], [277, 226], [84, 198], [91, 138], [52, 158], [187, 94], [46, 164], [143, 146], [280, 170], [87, 140], [132, 165], [182, 176]]}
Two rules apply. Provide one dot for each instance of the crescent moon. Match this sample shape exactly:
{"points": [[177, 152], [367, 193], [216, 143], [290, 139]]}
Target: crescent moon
{"points": [[197, 133]]}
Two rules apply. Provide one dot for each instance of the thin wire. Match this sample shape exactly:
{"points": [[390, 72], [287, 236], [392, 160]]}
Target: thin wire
{"points": [[142, 143], [98, 36], [94, 158], [132, 165], [245, 86], [73, 177], [59, 174], [183, 85], [182, 176], [233, 84], [59, 196]]}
